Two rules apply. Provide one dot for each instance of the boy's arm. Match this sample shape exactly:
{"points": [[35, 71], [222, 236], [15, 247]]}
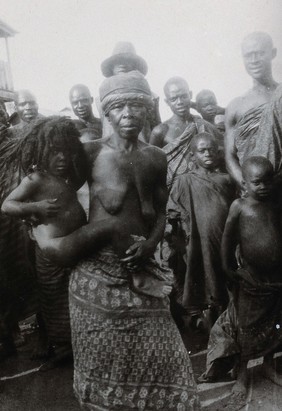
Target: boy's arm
{"points": [[18, 202], [229, 240]]}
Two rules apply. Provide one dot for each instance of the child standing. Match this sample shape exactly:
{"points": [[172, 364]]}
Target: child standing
{"points": [[46, 198], [199, 203], [251, 325]]}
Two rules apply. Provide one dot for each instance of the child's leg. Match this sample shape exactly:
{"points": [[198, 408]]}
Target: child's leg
{"points": [[269, 370], [66, 251]]}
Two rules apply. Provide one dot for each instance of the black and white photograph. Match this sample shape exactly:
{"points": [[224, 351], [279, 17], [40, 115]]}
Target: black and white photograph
{"points": [[141, 205]]}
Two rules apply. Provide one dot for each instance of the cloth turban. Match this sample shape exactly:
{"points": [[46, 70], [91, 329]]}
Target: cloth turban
{"points": [[131, 86]]}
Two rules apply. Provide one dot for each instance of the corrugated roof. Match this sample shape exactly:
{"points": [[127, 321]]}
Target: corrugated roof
{"points": [[5, 30]]}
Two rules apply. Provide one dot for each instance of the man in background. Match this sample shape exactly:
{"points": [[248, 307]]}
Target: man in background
{"points": [[250, 125], [88, 125]]}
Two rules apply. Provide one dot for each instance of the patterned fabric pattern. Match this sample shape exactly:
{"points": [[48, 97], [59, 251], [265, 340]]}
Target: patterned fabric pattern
{"points": [[128, 353]]}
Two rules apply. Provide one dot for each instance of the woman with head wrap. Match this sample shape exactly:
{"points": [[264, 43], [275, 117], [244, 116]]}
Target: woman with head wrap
{"points": [[128, 353]]}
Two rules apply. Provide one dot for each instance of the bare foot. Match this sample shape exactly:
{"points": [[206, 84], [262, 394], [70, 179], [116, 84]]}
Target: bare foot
{"points": [[238, 397]]}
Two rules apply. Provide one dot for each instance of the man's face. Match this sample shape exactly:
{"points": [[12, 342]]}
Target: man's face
{"points": [[257, 55], [27, 106], [81, 103], [128, 118], [178, 99], [206, 153], [207, 106], [258, 182], [123, 67]]}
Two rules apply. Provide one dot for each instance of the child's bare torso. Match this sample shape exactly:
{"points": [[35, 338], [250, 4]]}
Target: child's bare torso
{"points": [[261, 239], [71, 214]]}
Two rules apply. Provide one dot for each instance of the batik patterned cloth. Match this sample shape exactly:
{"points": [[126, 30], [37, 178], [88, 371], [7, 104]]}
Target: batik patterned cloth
{"points": [[128, 353]]}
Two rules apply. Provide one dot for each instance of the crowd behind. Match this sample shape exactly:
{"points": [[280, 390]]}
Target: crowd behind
{"points": [[121, 231]]}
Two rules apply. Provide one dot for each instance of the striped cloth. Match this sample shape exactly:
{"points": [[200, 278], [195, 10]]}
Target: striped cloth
{"points": [[53, 284], [259, 132]]}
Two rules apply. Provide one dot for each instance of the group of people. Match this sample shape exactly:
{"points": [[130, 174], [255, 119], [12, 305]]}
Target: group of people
{"points": [[113, 229]]}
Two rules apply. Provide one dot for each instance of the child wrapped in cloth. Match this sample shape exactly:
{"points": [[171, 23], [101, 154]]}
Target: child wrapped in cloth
{"points": [[128, 353]]}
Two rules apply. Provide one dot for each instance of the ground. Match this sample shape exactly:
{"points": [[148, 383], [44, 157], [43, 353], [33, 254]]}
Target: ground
{"points": [[30, 389]]}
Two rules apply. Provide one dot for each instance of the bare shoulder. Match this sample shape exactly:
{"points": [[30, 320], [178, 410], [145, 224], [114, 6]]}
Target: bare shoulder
{"points": [[158, 134], [236, 207], [155, 154], [35, 178], [92, 148], [234, 106]]}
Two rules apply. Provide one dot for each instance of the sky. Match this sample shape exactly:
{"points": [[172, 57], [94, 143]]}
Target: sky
{"points": [[63, 42]]}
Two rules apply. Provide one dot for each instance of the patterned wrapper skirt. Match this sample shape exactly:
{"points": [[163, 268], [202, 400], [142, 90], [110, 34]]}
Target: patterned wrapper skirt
{"points": [[128, 353]]}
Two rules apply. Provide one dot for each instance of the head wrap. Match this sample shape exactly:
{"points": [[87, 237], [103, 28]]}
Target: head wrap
{"points": [[123, 87]]}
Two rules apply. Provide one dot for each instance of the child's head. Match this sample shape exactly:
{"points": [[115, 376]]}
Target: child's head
{"points": [[258, 176], [206, 105], [204, 149], [52, 144]]}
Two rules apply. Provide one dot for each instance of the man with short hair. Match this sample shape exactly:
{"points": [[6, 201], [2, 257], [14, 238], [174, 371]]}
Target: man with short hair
{"points": [[26, 106], [250, 123], [174, 135], [88, 125]]}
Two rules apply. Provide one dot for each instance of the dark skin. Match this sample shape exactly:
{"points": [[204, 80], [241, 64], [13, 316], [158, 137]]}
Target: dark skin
{"points": [[207, 107], [127, 180], [26, 105], [261, 254], [178, 98], [46, 200], [81, 102], [257, 54]]}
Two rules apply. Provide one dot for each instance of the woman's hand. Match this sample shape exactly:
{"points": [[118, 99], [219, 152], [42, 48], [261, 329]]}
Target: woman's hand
{"points": [[138, 253]]}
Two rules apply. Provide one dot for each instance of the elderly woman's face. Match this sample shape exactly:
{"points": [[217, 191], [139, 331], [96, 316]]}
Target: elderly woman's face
{"points": [[127, 118]]}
